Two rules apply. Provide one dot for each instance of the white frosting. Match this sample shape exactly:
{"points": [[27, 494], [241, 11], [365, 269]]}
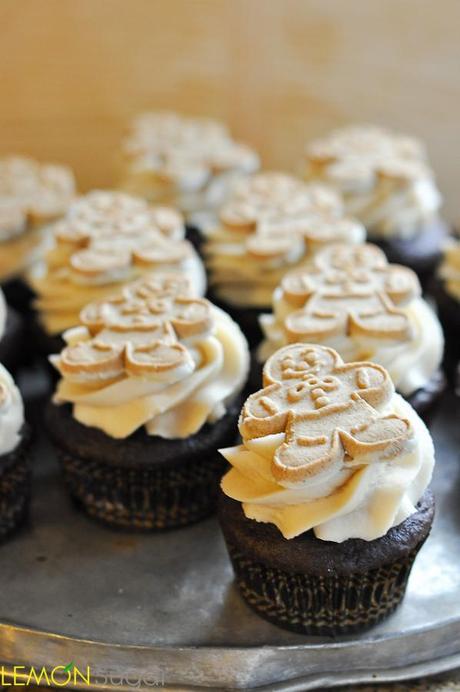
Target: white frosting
{"points": [[3, 310], [175, 404], [11, 413], [363, 502], [411, 363], [384, 178], [449, 270]]}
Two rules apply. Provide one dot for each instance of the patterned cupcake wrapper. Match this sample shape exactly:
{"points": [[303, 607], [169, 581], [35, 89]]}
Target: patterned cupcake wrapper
{"points": [[317, 605], [142, 498], [15, 489]]}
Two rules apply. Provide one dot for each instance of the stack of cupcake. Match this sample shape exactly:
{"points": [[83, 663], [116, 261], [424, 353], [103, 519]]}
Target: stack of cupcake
{"points": [[326, 505]]}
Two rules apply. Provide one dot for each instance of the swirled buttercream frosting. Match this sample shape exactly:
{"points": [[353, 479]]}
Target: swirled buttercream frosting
{"points": [[107, 239], [351, 299], [11, 413], [328, 446], [3, 310], [187, 162], [449, 271], [31, 194], [385, 178], [154, 355], [272, 223]]}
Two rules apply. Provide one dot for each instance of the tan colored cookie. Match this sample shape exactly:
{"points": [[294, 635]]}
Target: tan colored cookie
{"points": [[178, 149], [32, 193], [365, 153], [107, 233], [137, 331], [329, 411], [282, 216], [349, 290]]}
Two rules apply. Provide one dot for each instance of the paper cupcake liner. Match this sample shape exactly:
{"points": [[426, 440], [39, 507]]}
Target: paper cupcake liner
{"points": [[14, 488], [318, 605], [141, 498]]}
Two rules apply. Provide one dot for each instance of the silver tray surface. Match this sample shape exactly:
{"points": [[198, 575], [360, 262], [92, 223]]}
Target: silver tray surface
{"points": [[162, 610]]}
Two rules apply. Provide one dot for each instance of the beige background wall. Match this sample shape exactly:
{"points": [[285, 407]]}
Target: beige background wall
{"points": [[73, 71]]}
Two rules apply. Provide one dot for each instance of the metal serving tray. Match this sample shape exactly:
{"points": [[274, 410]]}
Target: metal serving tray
{"points": [[162, 610]]}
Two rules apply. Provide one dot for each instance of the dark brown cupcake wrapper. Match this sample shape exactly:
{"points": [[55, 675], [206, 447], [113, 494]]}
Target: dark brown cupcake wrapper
{"points": [[14, 487], [322, 605], [143, 498]]}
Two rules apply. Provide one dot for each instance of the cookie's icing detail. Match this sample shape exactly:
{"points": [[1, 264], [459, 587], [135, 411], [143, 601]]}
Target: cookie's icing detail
{"points": [[11, 413], [31, 194], [108, 238], [385, 178], [449, 271], [273, 222], [349, 298], [153, 355], [328, 446], [186, 161]]}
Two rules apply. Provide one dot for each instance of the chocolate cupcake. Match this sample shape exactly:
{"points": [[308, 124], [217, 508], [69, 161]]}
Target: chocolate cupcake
{"points": [[107, 239], [31, 195], [326, 505], [189, 163], [150, 388], [14, 464], [13, 350], [387, 183], [446, 290], [273, 223], [350, 299]]}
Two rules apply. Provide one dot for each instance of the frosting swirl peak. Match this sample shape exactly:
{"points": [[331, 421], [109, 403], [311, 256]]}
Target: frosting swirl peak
{"points": [[385, 178], [11, 413]]}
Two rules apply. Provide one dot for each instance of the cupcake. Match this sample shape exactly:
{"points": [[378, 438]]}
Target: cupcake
{"points": [[31, 195], [272, 223], [106, 239], [190, 163], [350, 299], [150, 388], [446, 289], [387, 183], [326, 505], [14, 467], [11, 336]]}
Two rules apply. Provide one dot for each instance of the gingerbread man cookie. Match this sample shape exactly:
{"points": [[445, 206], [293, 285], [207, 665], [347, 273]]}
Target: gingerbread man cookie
{"points": [[137, 332], [106, 234], [279, 212], [328, 410], [349, 290], [31, 192]]}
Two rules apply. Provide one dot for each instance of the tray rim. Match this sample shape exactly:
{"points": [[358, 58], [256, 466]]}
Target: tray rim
{"points": [[441, 659]]}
